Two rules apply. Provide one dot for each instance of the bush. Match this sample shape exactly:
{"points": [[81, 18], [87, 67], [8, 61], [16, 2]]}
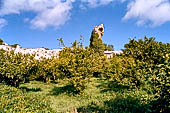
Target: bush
{"points": [[15, 68], [45, 70], [147, 50], [127, 71], [77, 65], [146, 54], [161, 83], [152, 64]]}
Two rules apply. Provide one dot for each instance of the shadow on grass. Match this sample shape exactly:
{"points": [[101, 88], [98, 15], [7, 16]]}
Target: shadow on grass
{"points": [[118, 105], [69, 89], [30, 89], [112, 86]]}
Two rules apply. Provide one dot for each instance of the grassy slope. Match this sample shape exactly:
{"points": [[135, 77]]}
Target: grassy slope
{"points": [[13, 100], [101, 96]]}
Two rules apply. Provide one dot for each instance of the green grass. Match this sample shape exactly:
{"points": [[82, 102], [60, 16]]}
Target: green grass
{"points": [[101, 96], [13, 100]]}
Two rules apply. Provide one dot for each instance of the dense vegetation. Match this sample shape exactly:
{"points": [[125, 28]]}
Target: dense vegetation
{"points": [[97, 44], [1, 41], [13, 100], [108, 47], [144, 67]]}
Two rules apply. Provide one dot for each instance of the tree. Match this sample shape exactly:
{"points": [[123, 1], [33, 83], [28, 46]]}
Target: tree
{"points": [[108, 47], [96, 44], [14, 45], [1, 41], [61, 42]]}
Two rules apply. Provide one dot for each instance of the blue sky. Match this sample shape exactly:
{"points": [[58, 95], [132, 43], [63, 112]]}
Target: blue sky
{"points": [[38, 23]]}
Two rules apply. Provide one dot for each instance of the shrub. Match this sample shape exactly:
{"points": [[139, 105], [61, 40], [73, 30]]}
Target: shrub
{"points": [[146, 54], [76, 64], [127, 71], [161, 83], [45, 70], [147, 50], [154, 59], [14, 68]]}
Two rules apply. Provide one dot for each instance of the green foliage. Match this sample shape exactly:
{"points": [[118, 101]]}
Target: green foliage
{"points": [[147, 54], [76, 64], [14, 68], [96, 44], [161, 83], [45, 70], [1, 41], [61, 42], [13, 100], [144, 63], [101, 96], [17, 68], [126, 71], [147, 50], [108, 47], [154, 69], [14, 45]]}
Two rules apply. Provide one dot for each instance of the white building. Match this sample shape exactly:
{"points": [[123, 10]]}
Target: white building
{"points": [[110, 54], [38, 52], [43, 53]]}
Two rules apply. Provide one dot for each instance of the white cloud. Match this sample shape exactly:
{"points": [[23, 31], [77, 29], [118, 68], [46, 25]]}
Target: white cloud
{"points": [[105, 2], [91, 3], [26, 20], [95, 3], [3, 22], [123, 1], [155, 11], [48, 12], [81, 6], [53, 16], [57, 12]]}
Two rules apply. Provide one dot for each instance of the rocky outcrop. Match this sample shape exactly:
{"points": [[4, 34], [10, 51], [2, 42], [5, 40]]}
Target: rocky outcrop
{"points": [[99, 30]]}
